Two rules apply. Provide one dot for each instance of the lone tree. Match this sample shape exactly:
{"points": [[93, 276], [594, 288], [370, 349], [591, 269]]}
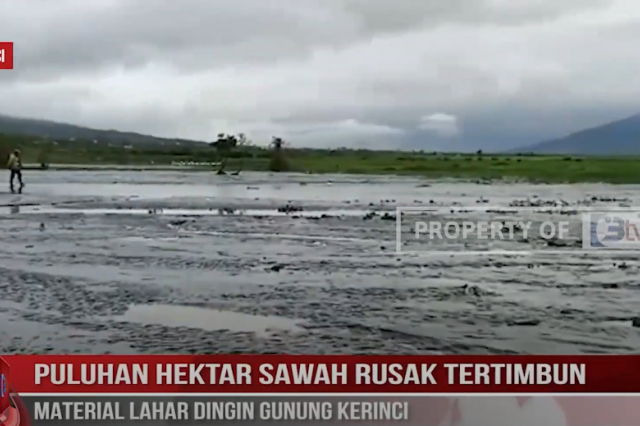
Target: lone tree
{"points": [[277, 143], [224, 145], [279, 162], [242, 141]]}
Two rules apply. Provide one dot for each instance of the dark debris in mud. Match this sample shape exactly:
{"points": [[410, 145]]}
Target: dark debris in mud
{"points": [[289, 208]]}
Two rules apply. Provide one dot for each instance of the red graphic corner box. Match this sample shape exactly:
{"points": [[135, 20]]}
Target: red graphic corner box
{"points": [[6, 55], [13, 412], [5, 402]]}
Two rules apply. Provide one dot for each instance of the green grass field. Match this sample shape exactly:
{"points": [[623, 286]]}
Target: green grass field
{"points": [[536, 168]]}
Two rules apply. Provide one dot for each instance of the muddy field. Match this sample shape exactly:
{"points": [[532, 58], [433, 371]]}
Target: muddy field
{"points": [[170, 262]]}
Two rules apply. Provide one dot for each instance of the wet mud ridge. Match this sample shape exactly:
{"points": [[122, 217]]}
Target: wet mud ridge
{"points": [[184, 263]]}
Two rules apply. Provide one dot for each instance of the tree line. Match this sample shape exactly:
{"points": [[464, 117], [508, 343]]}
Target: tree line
{"points": [[226, 144]]}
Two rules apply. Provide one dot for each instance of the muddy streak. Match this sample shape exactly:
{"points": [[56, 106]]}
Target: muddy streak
{"points": [[92, 264]]}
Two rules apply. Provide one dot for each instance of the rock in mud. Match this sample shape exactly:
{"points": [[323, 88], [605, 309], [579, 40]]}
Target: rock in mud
{"points": [[288, 208], [501, 212], [609, 199], [473, 290], [388, 216], [555, 242], [524, 323], [277, 267], [536, 203]]}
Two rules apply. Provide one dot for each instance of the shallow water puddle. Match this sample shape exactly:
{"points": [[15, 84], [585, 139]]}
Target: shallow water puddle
{"points": [[207, 319]]}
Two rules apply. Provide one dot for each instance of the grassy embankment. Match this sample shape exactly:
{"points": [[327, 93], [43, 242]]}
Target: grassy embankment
{"points": [[550, 169]]}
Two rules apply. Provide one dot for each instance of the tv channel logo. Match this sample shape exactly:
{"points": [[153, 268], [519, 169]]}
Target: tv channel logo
{"points": [[611, 230]]}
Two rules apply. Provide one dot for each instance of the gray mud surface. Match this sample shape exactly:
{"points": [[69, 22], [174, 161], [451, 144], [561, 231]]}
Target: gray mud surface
{"points": [[170, 262]]}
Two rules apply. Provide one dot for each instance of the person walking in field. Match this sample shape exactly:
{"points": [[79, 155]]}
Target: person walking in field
{"points": [[15, 165]]}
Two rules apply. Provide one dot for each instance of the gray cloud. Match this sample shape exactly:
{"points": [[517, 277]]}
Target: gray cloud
{"points": [[74, 35], [333, 72], [445, 125], [385, 16]]}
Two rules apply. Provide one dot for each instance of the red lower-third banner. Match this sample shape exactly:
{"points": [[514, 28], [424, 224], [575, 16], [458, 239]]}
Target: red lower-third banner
{"points": [[229, 374]]}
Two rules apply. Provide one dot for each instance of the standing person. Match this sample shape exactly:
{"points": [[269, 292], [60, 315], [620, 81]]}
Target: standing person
{"points": [[15, 165]]}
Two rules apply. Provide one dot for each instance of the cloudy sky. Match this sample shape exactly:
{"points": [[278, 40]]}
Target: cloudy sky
{"points": [[426, 74]]}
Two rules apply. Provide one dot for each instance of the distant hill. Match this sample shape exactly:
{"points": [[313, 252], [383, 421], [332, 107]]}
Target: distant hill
{"points": [[63, 131], [615, 138]]}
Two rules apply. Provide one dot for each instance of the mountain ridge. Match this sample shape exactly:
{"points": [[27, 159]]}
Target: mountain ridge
{"points": [[56, 130], [618, 137]]}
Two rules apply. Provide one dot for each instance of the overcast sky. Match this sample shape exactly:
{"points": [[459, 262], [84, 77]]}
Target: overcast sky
{"points": [[378, 73]]}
